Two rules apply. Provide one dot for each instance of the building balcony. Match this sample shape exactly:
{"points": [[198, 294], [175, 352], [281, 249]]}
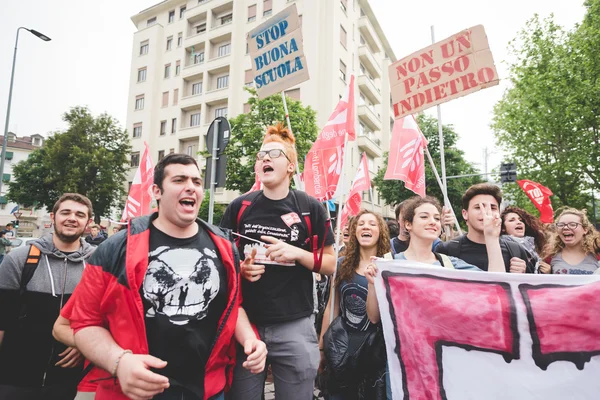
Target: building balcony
{"points": [[195, 39], [191, 132], [193, 69], [190, 102], [368, 116], [370, 143], [368, 88], [369, 61], [216, 95], [368, 32]]}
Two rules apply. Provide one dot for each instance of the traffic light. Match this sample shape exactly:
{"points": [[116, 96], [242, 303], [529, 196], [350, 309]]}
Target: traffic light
{"points": [[508, 172]]}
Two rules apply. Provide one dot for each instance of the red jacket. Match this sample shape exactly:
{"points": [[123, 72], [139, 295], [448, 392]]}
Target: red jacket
{"points": [[109, 296]]}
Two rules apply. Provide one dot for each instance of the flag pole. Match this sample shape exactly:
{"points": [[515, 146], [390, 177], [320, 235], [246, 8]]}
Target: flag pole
{"points": [[371, 195], [338, 222], [442, 155], [443, 188], [297, 180]]}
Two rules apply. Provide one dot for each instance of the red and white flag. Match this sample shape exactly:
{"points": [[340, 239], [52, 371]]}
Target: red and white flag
{"points": [[540, 197], [257, 183], [323, 163], [406, 161], [362, 182], [139, 200]]}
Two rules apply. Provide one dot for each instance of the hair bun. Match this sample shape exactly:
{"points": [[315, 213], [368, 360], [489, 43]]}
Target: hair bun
{"points": [[284, 133]]}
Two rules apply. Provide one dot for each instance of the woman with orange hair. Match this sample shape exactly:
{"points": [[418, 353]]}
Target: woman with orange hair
{"points": [[284, 236]]}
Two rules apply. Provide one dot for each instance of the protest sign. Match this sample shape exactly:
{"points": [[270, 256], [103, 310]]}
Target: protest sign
{"points": [[277, 53], [480, 335], [448, 69]]}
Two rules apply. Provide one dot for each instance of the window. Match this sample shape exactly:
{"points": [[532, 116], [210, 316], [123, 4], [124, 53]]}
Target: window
{"points": [[173, 125], [177, 67], [163, 128], [201, 27], [224, 50], [226, 19], [171, 151], [139, 102], [342, 71], [171, 16], [222, 82], [175, 96], [151, 21], [267, 8], [167, 70], [142, 74], [181, 12], [144, 47], [190, 150], [137, 130], [252, 13], [248, 77], [198, 58], [195, 119], [196, 88], [221, 112], [169, 43], [179, 39], [165, 99], [362, 69], [344, 5], [135, 159], [161, 154], [342, 36]]}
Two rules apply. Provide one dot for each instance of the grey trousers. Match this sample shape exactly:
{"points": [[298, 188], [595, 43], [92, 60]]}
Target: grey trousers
{"points": [[294, 358]]}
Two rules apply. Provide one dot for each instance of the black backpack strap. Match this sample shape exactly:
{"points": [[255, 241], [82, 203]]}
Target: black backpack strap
{"points": [[518, 251], [303, 201], [247, 201], [453, 247], [31, 263]]}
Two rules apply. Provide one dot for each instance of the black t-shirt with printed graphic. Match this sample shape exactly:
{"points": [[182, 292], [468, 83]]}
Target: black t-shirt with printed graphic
{"points": [[184, 295], [284, 292]]}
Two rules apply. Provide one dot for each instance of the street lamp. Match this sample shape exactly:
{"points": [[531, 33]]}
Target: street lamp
{"points": [[12, 78]]}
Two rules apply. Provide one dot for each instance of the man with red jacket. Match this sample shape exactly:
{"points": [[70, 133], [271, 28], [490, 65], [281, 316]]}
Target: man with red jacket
{"points": [[159, 304]]}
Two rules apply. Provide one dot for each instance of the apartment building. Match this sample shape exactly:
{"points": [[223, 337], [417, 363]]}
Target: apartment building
{"points": [[190, 64]]}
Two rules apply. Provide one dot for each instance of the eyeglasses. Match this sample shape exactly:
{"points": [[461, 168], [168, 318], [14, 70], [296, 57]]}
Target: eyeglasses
{"points": [[570, 225], [273, 153]]}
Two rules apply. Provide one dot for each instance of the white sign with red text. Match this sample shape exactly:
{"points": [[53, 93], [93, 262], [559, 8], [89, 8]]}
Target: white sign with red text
{"points": [[480, 335]]}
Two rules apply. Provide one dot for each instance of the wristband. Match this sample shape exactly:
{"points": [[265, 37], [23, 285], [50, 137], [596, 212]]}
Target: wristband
{"points": [[114, 371]]}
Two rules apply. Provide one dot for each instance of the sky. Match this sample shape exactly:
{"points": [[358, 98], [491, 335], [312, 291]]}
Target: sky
{"points": [[88, 60]]}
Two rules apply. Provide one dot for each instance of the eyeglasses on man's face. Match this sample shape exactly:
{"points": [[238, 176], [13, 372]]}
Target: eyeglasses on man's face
{"points": [[570, 225], [273, 153]]}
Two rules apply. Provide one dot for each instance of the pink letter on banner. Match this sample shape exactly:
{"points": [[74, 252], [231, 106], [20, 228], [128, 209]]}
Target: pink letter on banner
{"points": [[564, 322], [472, 315]]}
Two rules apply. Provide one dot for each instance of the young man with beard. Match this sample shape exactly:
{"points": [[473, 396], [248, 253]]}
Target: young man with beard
{"points": [[278, 285], [35, 282], [472, 247], [158, 306]]}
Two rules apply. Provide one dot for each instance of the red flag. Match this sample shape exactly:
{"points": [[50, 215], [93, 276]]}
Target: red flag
{"points": [[540, 197], [140, 195], [406, 161], [323, 164], [362, 181], [257, 183]]}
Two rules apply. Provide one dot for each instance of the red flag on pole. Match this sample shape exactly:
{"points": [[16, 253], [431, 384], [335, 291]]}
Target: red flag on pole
{"points": [[362, 181], [323, 164], [540, 197], [406, 161], [257, 183], [140, 195]]}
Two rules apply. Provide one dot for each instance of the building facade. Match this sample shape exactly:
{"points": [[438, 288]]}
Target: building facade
{"points": [[190, 64]]}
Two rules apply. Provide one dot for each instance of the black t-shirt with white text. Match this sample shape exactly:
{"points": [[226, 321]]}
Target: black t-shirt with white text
{"points": [[184, 295], [284, 292]]}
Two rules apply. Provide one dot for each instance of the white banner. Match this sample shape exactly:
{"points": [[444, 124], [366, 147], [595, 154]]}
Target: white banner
{"points": [[480, 335]]}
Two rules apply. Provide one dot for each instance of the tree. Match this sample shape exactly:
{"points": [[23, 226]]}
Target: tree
{"points": [[247, 132], [90, 157], [547, 121], [217, 212], [393, 191]]}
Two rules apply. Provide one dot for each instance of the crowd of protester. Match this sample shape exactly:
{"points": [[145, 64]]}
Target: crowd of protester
{"points": [[175, 308]]}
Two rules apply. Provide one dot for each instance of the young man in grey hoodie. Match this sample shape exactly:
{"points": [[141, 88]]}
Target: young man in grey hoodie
{"points": [[33, 365]]}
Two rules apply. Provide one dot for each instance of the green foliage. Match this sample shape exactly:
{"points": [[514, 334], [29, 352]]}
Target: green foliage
{"points": [[548, 120], [248, 130], [393, 191], [89, 158], [218, 212]]}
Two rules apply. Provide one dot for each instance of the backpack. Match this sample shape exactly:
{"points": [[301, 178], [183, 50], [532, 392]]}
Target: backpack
{"points": [[302, 202], [444, 260], [33, 259], [514, 250]]}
